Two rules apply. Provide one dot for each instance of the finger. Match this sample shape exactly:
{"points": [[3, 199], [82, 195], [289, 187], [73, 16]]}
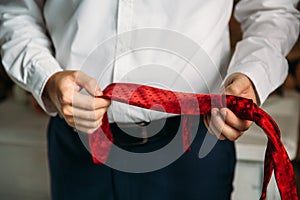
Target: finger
{"points": [[88, 102], [90, 115], [86, 130], [236, 88], [211, 128], [218, 124], [232, 120], [84, 125], [78, 122], [88, 83]]}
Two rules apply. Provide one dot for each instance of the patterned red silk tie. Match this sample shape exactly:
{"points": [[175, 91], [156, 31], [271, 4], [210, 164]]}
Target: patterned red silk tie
{"points": [[276, 157]]}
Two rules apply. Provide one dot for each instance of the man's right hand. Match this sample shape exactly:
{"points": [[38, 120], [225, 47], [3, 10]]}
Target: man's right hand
{"points": [[83, 112]]}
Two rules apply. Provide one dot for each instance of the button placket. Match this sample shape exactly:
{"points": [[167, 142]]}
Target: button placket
{"points": [[124, 25]]}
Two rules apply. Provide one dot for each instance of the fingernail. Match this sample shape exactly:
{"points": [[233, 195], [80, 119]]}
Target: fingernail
{"points": [[98, 93], [223, 112], [214, 112]]}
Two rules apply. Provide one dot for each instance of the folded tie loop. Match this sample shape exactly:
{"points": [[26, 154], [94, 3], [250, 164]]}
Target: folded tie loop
{"points": [[152, 98]]}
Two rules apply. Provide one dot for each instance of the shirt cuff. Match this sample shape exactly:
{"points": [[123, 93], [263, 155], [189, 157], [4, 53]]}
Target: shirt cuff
{"points": [[259, 76], [39, 74]]}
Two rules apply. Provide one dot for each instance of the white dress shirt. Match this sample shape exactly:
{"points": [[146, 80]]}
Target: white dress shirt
{"points": [[174, 44]]}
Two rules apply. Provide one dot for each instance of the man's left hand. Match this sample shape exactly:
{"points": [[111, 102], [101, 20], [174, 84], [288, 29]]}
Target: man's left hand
{"points": [[223, 122]]}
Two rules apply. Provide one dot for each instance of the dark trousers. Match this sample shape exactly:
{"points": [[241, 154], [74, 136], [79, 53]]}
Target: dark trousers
{"points": [[74, 176]]}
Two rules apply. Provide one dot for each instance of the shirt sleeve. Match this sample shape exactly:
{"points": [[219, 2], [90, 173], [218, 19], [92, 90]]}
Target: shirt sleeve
{"points": [[270, 29], [26, 50]]}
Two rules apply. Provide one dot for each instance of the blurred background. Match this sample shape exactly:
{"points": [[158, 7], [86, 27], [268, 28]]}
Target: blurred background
{"points": [[23, 146]]}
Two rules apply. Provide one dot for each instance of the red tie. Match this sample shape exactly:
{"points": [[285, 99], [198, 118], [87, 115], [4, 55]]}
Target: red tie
{"points": [[276, 157]]}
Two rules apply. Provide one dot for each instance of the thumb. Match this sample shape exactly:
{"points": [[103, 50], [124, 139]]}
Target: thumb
{"points": [[89, 84], [237, 84]]}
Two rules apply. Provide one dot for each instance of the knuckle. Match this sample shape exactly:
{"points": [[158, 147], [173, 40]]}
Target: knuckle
{"points": [[108, 103], [105, 105], [102, 112], [244, 129], [65, 99], [94, 116], [65, 111], [76, 74], [65, 82], [91, 130], [234, 137], [233, 90], [96, 124], [92, 124], [97, 115], [231, 138]]}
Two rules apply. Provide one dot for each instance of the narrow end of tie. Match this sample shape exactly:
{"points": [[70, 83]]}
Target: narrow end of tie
{"points": [[186, 133], [100, 142]]}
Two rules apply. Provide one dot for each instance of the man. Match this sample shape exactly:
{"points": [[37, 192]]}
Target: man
{"points": [[47, 48]]}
